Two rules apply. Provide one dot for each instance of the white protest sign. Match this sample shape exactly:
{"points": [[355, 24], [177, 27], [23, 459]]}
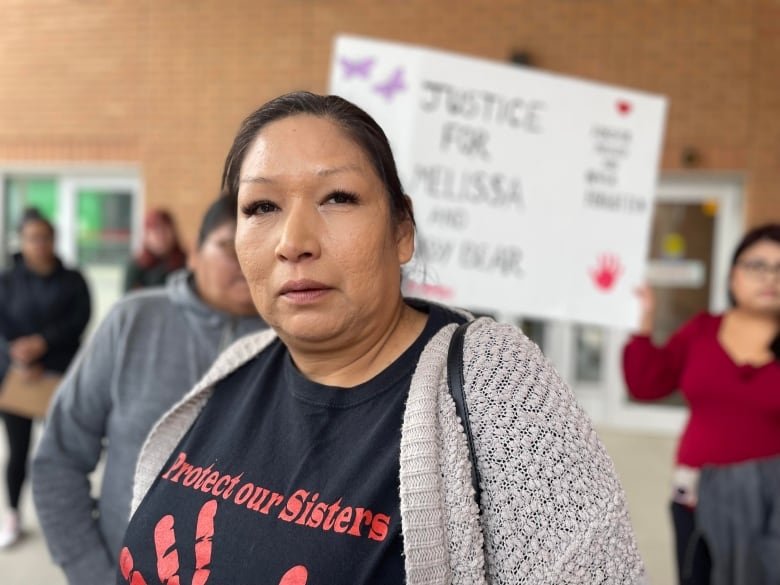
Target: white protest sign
{"points": [[533, 192]]}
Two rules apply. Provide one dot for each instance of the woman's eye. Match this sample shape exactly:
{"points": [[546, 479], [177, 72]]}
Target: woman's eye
{"points": [[342, 197], [259, 208]]}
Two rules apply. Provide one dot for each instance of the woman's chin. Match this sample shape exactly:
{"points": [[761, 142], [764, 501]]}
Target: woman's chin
{"points": [[307, 329], [765, 306]]}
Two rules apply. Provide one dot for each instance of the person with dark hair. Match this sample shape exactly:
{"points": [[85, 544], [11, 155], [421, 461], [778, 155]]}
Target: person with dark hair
{"points": [[161, 252], [44, 309], [150, 349], [728, 369], [328, 450]]}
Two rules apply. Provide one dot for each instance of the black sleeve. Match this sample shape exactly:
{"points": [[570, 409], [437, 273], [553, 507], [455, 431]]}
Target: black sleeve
{"points": [[132, 276], [5, 326], [69, 327]]}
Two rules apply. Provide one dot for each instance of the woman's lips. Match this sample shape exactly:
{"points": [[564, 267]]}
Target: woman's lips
{"points": [[303, 291]]}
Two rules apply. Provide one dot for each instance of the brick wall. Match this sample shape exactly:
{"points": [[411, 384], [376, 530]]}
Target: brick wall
{"points": [[165, 84]]}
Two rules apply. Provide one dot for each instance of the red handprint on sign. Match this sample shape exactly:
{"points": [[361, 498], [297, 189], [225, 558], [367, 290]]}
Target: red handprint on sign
{"points": [[168, 554], [607, 271]]}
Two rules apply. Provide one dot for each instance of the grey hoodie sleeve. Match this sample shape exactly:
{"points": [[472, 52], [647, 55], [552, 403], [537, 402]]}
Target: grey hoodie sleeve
{"points": [[68, 452]]}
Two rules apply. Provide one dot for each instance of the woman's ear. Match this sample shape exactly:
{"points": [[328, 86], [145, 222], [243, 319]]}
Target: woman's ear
{"points": [[730, 288], [405, 236], [192, 259]]}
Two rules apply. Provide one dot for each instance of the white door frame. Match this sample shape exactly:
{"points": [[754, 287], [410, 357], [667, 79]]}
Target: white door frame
{"points": [[607, 401]]}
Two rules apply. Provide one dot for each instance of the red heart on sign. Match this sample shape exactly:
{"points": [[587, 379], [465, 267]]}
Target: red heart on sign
{"points": [[623, 107]]}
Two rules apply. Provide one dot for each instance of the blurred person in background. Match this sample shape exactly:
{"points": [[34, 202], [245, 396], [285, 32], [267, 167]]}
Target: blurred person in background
{"points": [[329, 448], [150, 349], [728, 369], [44, 309], [161, 252]]}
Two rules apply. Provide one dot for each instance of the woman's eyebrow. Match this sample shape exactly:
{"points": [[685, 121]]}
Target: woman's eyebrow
{"points": [[323, 172], [255, 179], [342, 169]]}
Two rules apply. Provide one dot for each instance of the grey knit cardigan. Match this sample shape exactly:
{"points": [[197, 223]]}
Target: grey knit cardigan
{"points": [[553, 511]]}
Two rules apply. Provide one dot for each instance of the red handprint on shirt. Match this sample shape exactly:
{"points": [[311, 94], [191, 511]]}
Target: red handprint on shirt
{"points": [[168, 554], [607, 271], [298, 575]]}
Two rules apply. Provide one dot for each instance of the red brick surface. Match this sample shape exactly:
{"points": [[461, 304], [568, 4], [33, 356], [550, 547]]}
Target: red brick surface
{"points": [[164, 84]]}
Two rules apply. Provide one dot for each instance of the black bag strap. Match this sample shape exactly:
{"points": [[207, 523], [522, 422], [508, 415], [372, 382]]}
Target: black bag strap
{"points": [[456, 384]]}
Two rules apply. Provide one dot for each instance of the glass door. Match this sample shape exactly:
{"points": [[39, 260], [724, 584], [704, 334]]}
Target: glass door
{"points": [[697, 222], [96, 217]]}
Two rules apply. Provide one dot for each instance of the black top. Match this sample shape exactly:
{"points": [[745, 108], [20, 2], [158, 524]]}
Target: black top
{"points": [[137, 276], [283, 481], [56, 306]]}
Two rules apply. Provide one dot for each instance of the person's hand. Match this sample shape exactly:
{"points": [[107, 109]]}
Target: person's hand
{"points": [[31, 373], [647, 305], [28, 349]]}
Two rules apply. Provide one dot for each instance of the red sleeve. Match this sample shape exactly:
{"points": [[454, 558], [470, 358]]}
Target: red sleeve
{"points": [[654, 372]]}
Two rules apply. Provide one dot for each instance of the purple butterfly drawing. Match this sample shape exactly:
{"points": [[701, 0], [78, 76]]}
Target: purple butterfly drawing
{"points": [[357, 67], [394, 84]]}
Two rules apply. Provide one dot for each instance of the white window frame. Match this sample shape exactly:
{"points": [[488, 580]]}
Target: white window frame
{"points": [[69, 178]]}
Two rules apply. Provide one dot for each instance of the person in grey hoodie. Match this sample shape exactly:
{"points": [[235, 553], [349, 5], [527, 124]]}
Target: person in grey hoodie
{"points": [[149, 351]]}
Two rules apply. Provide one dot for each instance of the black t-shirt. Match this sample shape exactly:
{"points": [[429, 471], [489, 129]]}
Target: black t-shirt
{"points": [[282, 481]]}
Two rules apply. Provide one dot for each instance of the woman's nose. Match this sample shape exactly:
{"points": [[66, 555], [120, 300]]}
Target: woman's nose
{"points": [[299, 238]]}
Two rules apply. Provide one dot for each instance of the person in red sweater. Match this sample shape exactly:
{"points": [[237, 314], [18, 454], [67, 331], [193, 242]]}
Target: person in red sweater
{"points": [[161, 253], [727, 367]]}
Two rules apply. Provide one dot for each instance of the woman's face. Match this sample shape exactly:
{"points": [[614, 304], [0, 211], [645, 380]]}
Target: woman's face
{"points": [[218, 276], [36, 243], [159, 239], [315, 237], [755, 279]]}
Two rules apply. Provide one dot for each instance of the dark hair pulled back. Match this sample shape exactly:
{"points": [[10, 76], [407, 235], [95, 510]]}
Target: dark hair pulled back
{"points": [[357, 124]]}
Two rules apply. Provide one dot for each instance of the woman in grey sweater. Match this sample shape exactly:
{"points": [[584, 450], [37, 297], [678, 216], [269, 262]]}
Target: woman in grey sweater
{"points": [[328, 450], [150, 349]]}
